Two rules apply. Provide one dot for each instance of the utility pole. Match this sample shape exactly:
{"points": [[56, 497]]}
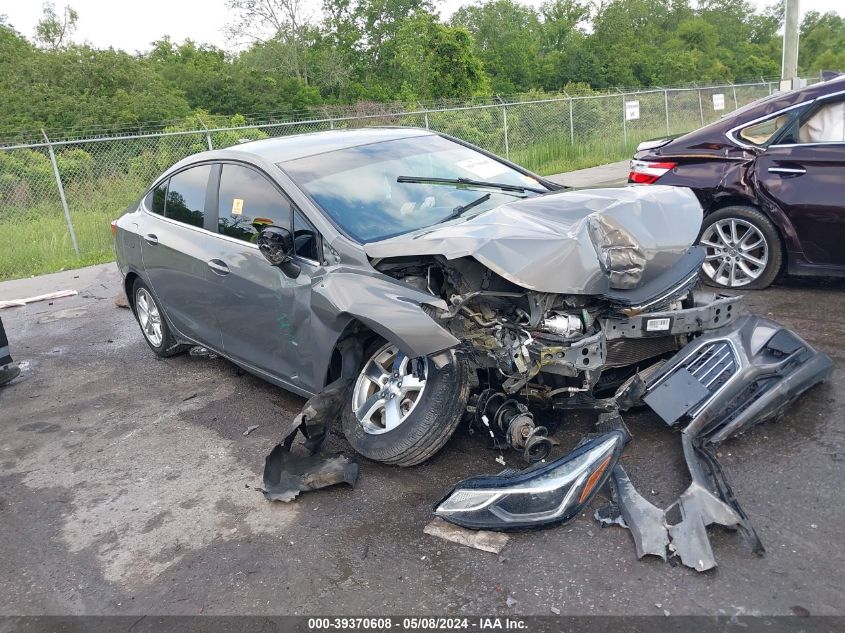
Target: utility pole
{"points": [[789, 64]]}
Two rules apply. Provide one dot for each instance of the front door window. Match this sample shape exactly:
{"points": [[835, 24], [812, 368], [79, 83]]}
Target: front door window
{"points": [[248, 203]]}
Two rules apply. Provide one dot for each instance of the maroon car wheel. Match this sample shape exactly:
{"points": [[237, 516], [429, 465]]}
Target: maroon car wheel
{"points": [[742, 249]]}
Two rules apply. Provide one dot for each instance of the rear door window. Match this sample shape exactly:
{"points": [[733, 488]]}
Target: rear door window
{"points": [[248, 202], [761, 133], [186, 196], [155, 199]]}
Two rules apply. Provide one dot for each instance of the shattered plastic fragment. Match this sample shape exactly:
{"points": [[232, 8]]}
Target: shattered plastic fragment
{"points": [[609, 515], [286, 474], [644, 520]]}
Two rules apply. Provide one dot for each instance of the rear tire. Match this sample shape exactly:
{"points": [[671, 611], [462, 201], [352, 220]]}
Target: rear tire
{"points": [[743, 249], [154, 326], [433, 417]]}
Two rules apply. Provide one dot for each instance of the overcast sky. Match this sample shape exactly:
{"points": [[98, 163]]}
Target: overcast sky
{"points": [[133, 25]]}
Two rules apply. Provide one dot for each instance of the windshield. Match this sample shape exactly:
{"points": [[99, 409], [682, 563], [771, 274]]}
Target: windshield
{"points": [[359, 187]]}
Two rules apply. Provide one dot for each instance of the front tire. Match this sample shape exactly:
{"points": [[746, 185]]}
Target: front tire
{"points": [[742, 249], [154, 326], [402, 411]]}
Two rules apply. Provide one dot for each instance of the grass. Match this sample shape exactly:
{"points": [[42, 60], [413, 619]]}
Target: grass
{"points": [[557, 154], [35, 240], [552, 156]]}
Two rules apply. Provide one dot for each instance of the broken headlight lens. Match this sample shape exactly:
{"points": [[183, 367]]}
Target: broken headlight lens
{"points": [[547, 493]]}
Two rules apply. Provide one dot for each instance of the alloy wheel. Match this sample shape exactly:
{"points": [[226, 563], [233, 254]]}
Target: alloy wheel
{"points": [[149, 317], [388, 388], [736, 252]]}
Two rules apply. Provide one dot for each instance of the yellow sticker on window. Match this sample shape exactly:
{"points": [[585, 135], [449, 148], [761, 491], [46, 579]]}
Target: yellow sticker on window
{"points": [[237, 206]]}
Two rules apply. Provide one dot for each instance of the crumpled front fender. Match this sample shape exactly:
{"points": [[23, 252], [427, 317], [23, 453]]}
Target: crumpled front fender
{"points": [[391, 309]]}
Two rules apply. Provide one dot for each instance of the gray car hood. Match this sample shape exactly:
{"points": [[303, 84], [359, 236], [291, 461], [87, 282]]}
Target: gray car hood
{"points": [[575, 242]]}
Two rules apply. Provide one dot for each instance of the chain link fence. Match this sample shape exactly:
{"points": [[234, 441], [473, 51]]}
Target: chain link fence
{"points": [[57, 196]]}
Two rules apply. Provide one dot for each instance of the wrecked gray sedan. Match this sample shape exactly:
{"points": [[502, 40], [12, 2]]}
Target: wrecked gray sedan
{"points": [[418, 280]]}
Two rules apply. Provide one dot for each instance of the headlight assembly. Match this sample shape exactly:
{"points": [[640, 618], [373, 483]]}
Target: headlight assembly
{"points": [[545, 493]]}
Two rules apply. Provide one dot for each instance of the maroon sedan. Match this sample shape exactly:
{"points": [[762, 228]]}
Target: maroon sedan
{"points": [[771, 179]]}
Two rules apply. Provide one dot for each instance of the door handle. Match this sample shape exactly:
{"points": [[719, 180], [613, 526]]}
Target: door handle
{"points": [[151, 239], [790, 171], [218, 266]]}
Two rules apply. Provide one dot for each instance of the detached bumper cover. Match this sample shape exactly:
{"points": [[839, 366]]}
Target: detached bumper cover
{"points": [[728, 380], [720, 384]]}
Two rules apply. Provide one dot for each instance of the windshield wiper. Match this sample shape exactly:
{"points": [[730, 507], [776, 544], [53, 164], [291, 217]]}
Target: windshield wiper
{"points": [[463, 208], [468, 182]]}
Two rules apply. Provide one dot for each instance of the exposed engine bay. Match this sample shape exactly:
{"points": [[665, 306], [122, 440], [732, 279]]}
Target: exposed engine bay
{"points": [[533, 349]]}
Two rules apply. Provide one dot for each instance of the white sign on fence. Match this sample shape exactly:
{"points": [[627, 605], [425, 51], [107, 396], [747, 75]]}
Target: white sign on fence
{"points": [[632, 110], [718, 102]]}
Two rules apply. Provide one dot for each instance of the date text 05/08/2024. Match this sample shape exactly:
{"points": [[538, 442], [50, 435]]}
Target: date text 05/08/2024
{"points": [[417, 624]]}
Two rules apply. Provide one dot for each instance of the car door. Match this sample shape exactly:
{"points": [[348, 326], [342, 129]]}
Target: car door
{"points": [[175, 250], [804, 175], [264, 315]]}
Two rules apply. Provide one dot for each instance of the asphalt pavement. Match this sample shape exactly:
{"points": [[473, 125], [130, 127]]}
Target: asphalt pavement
{"points": [[128, 487]]}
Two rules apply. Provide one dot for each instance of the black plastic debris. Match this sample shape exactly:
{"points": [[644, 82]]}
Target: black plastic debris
{"points": [[198, 351], [286, 473]]}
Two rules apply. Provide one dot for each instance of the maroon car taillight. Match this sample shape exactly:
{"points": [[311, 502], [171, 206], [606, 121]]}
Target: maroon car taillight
{"points": [[645, 172], [113, 228]]}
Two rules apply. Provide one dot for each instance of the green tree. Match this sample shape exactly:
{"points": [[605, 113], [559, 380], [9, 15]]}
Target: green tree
{"points": [[284, 22], [508, 38], [564, 57], [822, 42], [437, 61], [299, 56], [53, 30]]}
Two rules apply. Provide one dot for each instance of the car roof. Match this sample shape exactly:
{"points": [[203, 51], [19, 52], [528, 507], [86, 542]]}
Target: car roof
{"points": [[284, 148], [781, 100]]}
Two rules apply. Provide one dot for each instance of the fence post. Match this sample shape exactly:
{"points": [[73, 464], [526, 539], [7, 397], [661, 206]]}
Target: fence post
{"points": [[736, 103], [425, 113], [666, 105], [571, 126], [70, 230], [505, 123], [207, 134], [329, 117], [624, 121], [700, 107]]}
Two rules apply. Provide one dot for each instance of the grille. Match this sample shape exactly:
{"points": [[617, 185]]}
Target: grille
{"points": [[623, 352], [688, 386], [712, 364]]}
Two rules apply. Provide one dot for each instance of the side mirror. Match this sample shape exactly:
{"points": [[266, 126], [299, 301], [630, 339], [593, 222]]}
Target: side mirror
{"points": [[277, 246]]}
